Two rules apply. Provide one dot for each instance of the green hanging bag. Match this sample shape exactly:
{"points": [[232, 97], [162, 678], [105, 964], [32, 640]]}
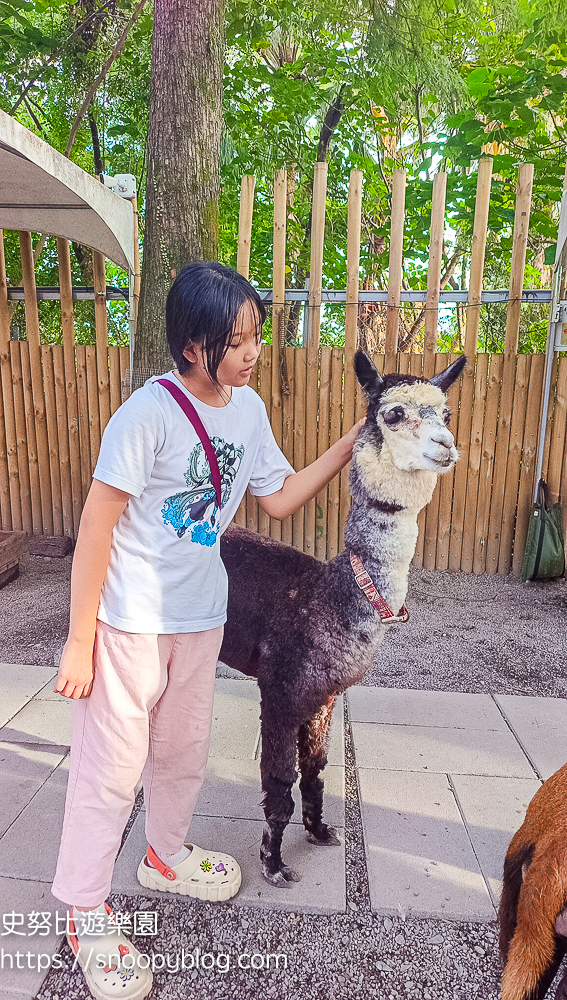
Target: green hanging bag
{"points": [[544, 555]]}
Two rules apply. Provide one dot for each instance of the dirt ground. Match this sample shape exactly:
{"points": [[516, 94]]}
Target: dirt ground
{"points": [[466, 633]]}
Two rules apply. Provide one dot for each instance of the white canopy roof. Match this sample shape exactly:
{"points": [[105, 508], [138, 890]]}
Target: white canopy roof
{"points": [[41, 191]]}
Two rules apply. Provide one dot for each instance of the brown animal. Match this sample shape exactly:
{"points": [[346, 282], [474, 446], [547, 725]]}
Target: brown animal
{"points": [[532, 914]]}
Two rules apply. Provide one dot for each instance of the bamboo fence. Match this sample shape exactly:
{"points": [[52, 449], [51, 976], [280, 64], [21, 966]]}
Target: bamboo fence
{"points": [[56, 400]]}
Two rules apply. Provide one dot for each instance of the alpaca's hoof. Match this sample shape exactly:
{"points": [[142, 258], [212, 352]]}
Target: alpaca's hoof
{"points": [[283, 878], [325, 837]]}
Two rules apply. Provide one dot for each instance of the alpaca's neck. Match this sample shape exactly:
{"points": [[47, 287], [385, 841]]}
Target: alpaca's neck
{"points": [[385, 537]]}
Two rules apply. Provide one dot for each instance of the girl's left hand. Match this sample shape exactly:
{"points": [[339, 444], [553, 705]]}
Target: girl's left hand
{"points": [[350, 437]]}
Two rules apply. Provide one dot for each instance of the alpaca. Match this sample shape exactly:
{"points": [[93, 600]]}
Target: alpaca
{"points": [[306, 629], [532, 913]]}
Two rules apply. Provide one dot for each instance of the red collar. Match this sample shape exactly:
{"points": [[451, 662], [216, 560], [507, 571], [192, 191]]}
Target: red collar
{"points": [[377, 601]]}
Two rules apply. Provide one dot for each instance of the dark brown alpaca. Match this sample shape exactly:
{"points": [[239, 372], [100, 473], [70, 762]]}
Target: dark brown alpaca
{"points": [[304, 628], [534, 897]]}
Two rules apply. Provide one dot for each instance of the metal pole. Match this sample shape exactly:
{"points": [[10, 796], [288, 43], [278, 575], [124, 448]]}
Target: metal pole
{"points": [[554, 325]]}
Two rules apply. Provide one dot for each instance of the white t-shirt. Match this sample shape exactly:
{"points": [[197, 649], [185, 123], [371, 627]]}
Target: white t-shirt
{"points": [[165, 573]]}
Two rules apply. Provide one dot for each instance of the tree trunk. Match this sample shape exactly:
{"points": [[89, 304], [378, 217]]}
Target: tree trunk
{"points": [[183, 175]]}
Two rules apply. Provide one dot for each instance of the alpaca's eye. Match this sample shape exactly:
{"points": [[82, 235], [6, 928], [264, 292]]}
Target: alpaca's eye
{"points": [[394, 415], [447, 417]]}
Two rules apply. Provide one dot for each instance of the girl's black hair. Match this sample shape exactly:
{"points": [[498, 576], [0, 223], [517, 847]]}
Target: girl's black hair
{"points": [[202, 306]]}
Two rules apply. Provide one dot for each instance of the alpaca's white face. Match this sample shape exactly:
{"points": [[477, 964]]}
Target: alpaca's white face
{"points": [[413, 420]]}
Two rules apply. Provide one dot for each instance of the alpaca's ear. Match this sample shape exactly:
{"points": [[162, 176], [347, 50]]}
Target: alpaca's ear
{"points": [[445, 379], [367, 373]]}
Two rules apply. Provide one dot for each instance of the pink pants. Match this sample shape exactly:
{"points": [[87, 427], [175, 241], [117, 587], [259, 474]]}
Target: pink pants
{"points": [[149, 713]]}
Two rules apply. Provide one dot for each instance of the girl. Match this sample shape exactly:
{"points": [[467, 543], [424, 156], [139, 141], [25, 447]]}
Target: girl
{"points": [[148, 604]]}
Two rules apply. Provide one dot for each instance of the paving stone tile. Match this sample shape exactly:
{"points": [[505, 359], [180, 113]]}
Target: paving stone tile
{"points": [[18, 683], [321, 889], [236, 719], [493, 809], [232, 788], [47, 693], [402, 707], [540, 725], [454, 751], [29, 848], [40, 722], [24, 897], [419, 857], [23, 771]]}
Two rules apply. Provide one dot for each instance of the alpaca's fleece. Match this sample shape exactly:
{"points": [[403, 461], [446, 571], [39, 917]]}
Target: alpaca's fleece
{"points": [[418, 394], [384, 481]]}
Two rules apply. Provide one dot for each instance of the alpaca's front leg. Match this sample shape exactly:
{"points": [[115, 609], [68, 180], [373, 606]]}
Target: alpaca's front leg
{"points": [[313, 745], [277, 768]]}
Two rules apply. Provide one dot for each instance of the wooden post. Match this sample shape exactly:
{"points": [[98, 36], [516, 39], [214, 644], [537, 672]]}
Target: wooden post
{"points": [[52, 437], [9, 477], [468, 379], [101, 326], [314, 326], [278, 313], [33, 337], [83, 409], [351, 329], [245, 224], [32, 449], [63, 438], [322, 446], [519, 247], [68, 325], [316, 261], [478, 249], [137, 268], [21, 440], [434, 272], [395, 266]]}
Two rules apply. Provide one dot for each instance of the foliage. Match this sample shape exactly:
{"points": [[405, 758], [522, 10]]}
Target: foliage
{"points": [[423, 84]]}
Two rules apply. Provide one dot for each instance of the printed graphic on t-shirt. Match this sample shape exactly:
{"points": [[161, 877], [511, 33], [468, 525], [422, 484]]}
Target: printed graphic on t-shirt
{"points": [[195, 510]]}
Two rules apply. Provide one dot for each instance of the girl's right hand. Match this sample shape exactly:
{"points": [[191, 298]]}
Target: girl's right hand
{"points": [[75, 676]]}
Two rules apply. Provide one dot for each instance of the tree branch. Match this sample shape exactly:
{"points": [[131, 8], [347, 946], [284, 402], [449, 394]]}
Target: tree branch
{"points": [[96, 84]]}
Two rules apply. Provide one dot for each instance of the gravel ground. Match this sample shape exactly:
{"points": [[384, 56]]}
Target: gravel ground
{"points": [[465, 634]]}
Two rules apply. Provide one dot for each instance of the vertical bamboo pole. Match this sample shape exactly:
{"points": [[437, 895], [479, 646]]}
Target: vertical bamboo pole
{"points": [[32, 451], [83, 410], [432, 509], [395, 266], [243, 267], [480, 527], [335, 433], [447, 480], [262, 521], [114, 370], [68, 325], [33, 338], [93, 404], [510, 504], [351, 329], [52, 437], [101, 326], [314, 327], [21, 439], [416, 368], [482, 206], [245, 224], [287, 433], [63, 439], [529, 459], [299, 418], [434, 272], [519, 247], [322, 446], [9, 476], [278, 312], [474, 461]]}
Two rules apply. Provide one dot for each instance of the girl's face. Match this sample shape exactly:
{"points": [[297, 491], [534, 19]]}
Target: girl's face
{"points": [[237, 365]]}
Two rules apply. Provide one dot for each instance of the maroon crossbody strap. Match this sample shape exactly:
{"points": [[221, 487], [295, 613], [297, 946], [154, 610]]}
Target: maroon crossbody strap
{"points": [[194, 418]]}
